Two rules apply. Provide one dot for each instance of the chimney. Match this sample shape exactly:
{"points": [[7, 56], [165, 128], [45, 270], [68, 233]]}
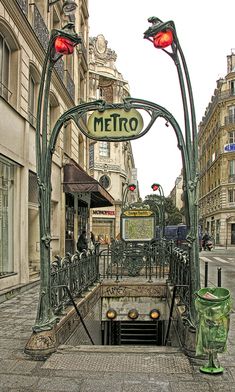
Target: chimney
{"points": [[231, 62]]}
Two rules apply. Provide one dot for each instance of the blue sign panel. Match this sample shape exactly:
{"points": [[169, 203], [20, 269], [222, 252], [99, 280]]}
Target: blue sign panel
{"points": [[229, 147]]}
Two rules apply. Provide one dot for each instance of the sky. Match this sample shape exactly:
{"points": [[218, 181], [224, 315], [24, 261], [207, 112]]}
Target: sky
{"points": [[206, 32]]}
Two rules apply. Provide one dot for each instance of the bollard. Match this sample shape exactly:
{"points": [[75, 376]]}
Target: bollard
{"points": [[206, 274], [219, 276]]}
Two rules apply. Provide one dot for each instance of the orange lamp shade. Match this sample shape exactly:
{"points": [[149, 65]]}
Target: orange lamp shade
{"points": [[163, 39], [64, 45]]}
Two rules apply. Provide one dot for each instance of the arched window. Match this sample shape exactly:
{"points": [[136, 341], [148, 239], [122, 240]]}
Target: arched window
{"points": [[34, 80], [4, 68], [53, 115], [9, 64]]}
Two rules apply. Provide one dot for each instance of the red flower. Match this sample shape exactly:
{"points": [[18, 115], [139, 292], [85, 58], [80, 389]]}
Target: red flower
{"points": [[163, 39], [64, 45]]}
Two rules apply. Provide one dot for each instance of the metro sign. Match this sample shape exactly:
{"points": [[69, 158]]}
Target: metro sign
{"points": [[115, 123]]}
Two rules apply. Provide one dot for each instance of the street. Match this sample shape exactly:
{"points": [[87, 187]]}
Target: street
{"points": [[219, 258]]}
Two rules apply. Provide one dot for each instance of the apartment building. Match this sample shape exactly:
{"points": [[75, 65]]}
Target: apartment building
{"points": [[217, 160], [24, 35]]}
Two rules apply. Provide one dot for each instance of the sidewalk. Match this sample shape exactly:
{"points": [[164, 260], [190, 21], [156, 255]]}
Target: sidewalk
{"points": [[99, 368]]}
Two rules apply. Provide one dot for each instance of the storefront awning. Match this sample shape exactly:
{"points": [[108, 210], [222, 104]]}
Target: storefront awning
{"points": [[76, 180]]}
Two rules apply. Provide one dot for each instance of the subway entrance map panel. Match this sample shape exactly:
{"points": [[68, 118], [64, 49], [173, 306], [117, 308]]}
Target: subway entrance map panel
{"points": [[137, 225]]}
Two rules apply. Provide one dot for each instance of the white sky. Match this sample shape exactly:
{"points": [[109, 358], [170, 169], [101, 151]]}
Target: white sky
{"points": [[206, 31]]}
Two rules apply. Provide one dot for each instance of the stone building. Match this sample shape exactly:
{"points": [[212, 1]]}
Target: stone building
{"points": [[110, 163], [217, 160], [24, 36], [176, 193]]}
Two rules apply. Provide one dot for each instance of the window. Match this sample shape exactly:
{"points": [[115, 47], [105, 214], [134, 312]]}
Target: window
{"points": [[34, 79], [231, 137], [4, 68], [105, 181], [9, 64], [104, 149], [232, 168], [53, 115], [231, 114], [231, 195], [81, 152], [232, 87], [32, 110], [6, 217], [67, 134]]}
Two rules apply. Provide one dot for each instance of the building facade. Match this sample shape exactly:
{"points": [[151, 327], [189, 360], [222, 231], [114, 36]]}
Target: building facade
{"points": [[217, 161], [110, 163], [176, 193], [24, 35]]}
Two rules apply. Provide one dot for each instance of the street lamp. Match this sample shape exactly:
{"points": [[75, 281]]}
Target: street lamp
{"points": [[69, 6], [129, 188], [157, 187], [163, 35]]}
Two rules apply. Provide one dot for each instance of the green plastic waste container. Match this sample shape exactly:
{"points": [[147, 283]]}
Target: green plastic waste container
{"points": [[213, 306]]}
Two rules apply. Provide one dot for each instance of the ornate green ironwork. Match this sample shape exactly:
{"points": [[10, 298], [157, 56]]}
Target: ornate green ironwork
{"points": [[45, 148], [190, 169], [45, 317]]}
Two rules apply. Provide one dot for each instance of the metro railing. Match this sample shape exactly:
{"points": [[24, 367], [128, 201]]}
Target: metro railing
{"points": [[151, 261]]}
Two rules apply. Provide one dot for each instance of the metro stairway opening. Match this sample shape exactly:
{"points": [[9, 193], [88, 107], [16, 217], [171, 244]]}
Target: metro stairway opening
{"points": [[133, 332]]}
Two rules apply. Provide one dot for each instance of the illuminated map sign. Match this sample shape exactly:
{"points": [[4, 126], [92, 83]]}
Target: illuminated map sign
{"points": [[138, 225]]}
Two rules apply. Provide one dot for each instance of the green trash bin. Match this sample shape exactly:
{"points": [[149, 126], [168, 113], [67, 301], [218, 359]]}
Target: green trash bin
{"points": [[213, 306]]}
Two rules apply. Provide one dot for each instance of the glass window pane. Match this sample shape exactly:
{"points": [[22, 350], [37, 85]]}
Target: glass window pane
{"points": [[6, 218], [5, 71]]}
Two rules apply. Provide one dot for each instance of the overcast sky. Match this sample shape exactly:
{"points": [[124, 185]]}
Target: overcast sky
{"points": [[206, 31]]}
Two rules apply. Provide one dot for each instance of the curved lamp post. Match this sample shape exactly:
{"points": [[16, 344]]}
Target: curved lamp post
{"points": [[157, 187], [163, 35], [129, 188], [62, 42]]}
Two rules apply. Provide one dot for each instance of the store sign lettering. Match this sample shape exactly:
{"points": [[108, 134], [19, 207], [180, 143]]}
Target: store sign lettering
{"points": [[115, 123]]}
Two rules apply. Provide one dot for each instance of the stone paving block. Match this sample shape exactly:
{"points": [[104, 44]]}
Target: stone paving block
{"points": [[59, 384], [160, 386], [100, 386], [17, 381], [222, 386], [191, 387]]}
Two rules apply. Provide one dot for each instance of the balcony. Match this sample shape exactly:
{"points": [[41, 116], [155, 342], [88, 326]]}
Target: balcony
{"points": [[231, 178]]}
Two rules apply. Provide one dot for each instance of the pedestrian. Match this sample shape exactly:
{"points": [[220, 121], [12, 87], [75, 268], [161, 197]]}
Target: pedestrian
{"points": [[92, 238], [82, 243], [205, 238]]}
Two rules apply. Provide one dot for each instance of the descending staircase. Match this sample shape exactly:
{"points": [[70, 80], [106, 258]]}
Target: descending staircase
{"points": [[140, 333]]}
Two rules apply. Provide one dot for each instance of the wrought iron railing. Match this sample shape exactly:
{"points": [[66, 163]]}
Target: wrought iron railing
{"points": [[152, 261], [130, 259], [78, 272], [179, 275]]}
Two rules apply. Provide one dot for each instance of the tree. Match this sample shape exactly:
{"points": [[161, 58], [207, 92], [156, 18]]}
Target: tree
{"points": [[173, 216]]}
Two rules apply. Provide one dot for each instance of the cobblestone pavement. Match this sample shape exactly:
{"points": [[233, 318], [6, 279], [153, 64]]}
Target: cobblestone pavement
{"points": [[96, 368]]}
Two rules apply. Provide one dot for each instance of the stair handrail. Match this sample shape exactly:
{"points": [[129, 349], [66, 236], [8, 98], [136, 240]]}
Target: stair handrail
{"points": [[77, 310]]}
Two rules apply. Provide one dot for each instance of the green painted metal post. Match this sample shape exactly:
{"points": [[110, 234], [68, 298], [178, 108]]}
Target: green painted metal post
{"points": [[162, 35]]}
